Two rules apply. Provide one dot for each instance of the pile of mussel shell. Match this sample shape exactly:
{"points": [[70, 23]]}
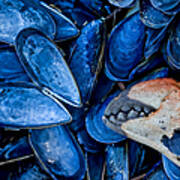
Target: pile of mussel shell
{"points": [[89, 89]]}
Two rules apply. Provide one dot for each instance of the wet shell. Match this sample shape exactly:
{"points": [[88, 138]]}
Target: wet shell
{"points": [[17, 15], [58, 152], [46, 66], [24, 106]]}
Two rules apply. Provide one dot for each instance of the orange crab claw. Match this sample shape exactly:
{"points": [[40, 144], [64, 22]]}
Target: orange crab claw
{"points": [[164, 96]]}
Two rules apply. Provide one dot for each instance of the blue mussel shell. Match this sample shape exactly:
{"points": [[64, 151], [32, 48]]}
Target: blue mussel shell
{"points": [[46, 66]]}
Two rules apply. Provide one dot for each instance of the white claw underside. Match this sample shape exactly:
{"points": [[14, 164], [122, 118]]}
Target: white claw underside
{"points": [[163, 95]]}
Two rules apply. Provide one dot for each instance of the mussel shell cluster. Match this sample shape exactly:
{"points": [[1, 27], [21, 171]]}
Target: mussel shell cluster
{"points": [[89, 89]]}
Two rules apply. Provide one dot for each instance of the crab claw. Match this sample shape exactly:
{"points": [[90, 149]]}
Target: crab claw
{"points": [[157, 128]]}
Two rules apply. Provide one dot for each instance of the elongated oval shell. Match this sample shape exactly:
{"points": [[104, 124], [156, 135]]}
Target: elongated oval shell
{"points": [[65, 29], [97, 128], [24, 106], [125, 48], [165, 5], [20, 14], [117, 160], [152, 17], [85, 62], [58, 152], [46, 66]]}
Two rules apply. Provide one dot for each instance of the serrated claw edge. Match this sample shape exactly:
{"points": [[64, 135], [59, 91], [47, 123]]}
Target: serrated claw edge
{"points": [[164, 96]]}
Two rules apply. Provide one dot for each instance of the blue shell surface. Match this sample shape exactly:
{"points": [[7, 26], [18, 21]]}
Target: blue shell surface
{"points": [[103, 87], [19, 14], [96, 127], [173, 11], [28, 170], [146, 66], [117, 161], [158, 173], [154, 40], [94, 6], [33, 173], [85, 61], [18, 149], [158, 73], [95, 166], [79, 16], [46, 66], [139, 156], [65, 4], [165, 5], [89, 144], [173, 48], [65, 29], [172, 170], [10, 67], [152, 17], [24, 106], [58, 152], [121, 3], [125, 48], [78, 118]]}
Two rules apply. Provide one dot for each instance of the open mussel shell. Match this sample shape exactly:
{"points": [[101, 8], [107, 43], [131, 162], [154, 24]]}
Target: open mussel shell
{"points": [[117, 161], [46, 66], [65, 29], [95, 166], [96, 127], [20, 14], [165, 5], [10, 67], [163, 96], [58, 152], [173, 48], [23, 106], [152, 17], [125, 48], [121, 3], [85, 62]]}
